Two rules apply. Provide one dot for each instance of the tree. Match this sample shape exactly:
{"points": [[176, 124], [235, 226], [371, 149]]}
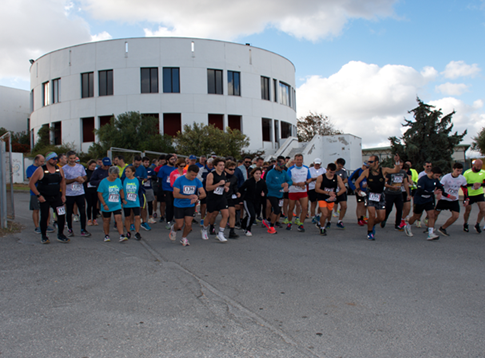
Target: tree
{"points": [[428, 138], [20, 141], [314, 124], [200, 139], [478, 143], [131, 130], [43, 139]]}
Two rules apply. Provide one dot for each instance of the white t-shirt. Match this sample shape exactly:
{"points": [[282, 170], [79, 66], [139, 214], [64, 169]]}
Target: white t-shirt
{"points": [[452, 185], [315, 173], [298, 175], [422, 174]]}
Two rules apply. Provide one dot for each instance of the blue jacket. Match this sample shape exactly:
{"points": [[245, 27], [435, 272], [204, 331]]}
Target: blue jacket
{"points": [[274, 179]]}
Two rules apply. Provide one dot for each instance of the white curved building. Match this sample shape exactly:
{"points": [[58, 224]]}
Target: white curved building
{"points": [[179, 80]]}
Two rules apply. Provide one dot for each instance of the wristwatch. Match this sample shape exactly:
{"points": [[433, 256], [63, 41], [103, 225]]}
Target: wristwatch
{"points": [[39, 195]]}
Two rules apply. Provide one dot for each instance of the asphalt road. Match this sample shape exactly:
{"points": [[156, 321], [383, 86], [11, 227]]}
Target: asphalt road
{"points": [[286, 295]]}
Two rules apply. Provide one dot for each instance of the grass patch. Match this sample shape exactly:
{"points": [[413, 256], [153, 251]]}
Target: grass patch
{"points": [[21, 187], [12, 228]]}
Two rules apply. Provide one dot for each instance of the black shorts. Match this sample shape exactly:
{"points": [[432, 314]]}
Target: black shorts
{"points": [[476, 199], [361, 199], [180, 213], [203, 201], [216, 203], [312, 195], [275, 204], [127, 211], [160, 194], [232, 202], [419, 208], [405, 197], [285, 195], [448, 205], [341, 197], [107, 214]]}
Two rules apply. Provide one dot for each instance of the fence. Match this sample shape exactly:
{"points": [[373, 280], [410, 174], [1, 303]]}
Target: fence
{"points": [[7, 210]]}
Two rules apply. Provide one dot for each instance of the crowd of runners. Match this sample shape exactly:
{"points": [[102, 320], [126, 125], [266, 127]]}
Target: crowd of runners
{"points": [[280, 195]]}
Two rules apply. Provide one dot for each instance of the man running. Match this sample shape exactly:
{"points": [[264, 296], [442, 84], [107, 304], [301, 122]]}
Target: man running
{"points": [[342, 198], [395, 185], [315, 172], [300, 176], [475, 177], [361, 208]]}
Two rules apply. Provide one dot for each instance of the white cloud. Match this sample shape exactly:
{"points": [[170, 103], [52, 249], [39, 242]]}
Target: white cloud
{"points": [[452, 89], [101, 36], [429, 73], [221, 19], [456, 69]]}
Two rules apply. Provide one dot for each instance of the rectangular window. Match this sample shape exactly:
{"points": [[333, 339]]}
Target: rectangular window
{"points": [[275, 90], [156, 128], [172, 123], [217, 120], [56, 90], [265, 88], [45, 94], [285, 130], [214, 82], [87, 84], [233, 83], [31, 101], [266, 124], [104, 120], [149, 80], [285, 94], [88, 129], [276, 131], [57, 133], [105, 83], [171, 80], [234, 122]]}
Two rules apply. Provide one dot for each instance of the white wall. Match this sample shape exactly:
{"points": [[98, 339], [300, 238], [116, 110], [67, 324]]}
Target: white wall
{"points": [[14, 109]]}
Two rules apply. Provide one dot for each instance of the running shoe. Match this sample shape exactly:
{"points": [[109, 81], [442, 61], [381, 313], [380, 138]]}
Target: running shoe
{"points": [[407, 230], [336, 213], [89, 223], [63, 239], [426, 221], [248, 233], [201, 222], [137, 236], [314, 220], [85, 233], [323, 232], [237, 226], [288, 227], [50, 229], [298, 222], [465, 227], [266, 224], [95, 222], [398, 228], [432, 236], [403, 223], [233, 235], [418, 223], [383, 224], [123, 238], [70, 233], [477, 228], [258, 219], [128, 235], [172, 235], [286, 221], [443, 231], [106, 238], [366, 219], [317, 225], [340, 225], [185, 242], [361, 222], [132, 227], [76, 218], [301, 228], [155, 215], [370, 236], [162, 219], [328, 225], [374, 230], [277, 224], [204, 234], [152, 221], [168, 226], [44, 240], [221, 238], [272, 230], [212, 231], [146, 227], [37, 230]]}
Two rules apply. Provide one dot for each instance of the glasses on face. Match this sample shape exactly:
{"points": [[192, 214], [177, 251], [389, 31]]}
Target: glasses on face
{"points": [[428, 166], [370, 161], [247, 162], [231, 169], [182, 166]]}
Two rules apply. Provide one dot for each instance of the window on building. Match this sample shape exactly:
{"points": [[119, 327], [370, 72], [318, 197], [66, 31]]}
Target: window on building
{"points": [[266, 124], [88, 129], [156, 127], [234, 122], [276, 131], [265, 88], [56, 90], [45, 94], [214, 81], [172, 123], [57, 133], [275, 90], [104, 120], [171, 80], [285, 94], [285, 130], [149, 80], [87, 84], [31, 101], [105, 83], [233, 83], [217, 120]]}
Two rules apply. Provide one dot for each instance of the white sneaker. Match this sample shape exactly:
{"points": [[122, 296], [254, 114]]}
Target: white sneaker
{"points": [[407, 230], [172, 235], [204, 234], [248, 233], [432, 236], [221, 238], [152, 221], [418, 223], [185, 242]]}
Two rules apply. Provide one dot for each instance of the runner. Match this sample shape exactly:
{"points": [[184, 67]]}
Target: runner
{"points": [[50, 190], [232, 196], [376, 201], [300, 176], [131, 188], [187, 189], [475, 177], [120, 163], [429, 186], [396, 184], [149, 192], [252, 192], [111, 195], [315, 172], [341, 199], [91, 195], [361, 209], [164, 179], [277, 182], [216, 200], [160, 195], [451, 183]]}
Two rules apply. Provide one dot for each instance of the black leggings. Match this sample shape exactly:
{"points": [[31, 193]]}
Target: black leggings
{"points": [[250, 214], [51, 202], [81, 207], [150, 207], [394, 199], [92, 208]]}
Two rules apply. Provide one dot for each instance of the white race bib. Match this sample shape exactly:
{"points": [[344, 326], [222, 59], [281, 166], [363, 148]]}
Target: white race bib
{"points": [[131, 197], [61, 210], [114, 198], [76, 187], [219, 190], [168, 180], [281, 203], [374, 196], [234, 196], [398, 179], [328, 189]]}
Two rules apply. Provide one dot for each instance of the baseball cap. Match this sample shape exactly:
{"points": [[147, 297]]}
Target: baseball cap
{"points": [[106, 161], [192, 157], [317, 161]]}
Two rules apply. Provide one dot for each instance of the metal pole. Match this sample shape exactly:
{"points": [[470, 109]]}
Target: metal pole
{"points": [[11, 176], [3, 187]]}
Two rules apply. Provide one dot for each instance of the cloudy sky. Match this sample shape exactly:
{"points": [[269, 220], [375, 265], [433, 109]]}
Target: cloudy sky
{"points": [[362, 63]]}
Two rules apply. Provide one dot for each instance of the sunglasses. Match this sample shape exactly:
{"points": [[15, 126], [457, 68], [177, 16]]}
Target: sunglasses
{"points": [[370, 161], [247, 162], [230, 169]]}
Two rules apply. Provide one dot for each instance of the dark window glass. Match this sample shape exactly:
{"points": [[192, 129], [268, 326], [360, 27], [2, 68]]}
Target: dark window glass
{"points": [[56, 88], [275, 90], [88, 129], [171, 80], [285, 97], [149, 80], [276, 131], [172, 123], [285, 130], [233, 83], [265, 88], [217, 120], [214, 81], [104, 120], [266, 123], [57, 133], [87, 84], [234, 122], [106, 83]]}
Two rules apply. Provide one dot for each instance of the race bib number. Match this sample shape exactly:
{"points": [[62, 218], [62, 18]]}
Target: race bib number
{"points": [[398, 179], [374, 196], [281, 203], [114, 198], [61, 210], [189, 190], [168, 180], [234, 196], [131, 197], [76, 187], [219, 190], [147, 184], [328, 189]]}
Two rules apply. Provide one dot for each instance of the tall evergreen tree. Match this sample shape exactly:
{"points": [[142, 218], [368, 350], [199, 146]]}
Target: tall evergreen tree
{"points": [[478, 143], [428, 138]]}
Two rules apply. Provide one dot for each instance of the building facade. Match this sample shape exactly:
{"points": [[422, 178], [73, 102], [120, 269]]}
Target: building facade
{"points": [[14, 109], [178, 80]]}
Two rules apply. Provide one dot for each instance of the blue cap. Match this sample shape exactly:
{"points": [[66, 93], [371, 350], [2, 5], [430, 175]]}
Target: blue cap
{"points": [[51, 155], [192, 157], [106, 161]]}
